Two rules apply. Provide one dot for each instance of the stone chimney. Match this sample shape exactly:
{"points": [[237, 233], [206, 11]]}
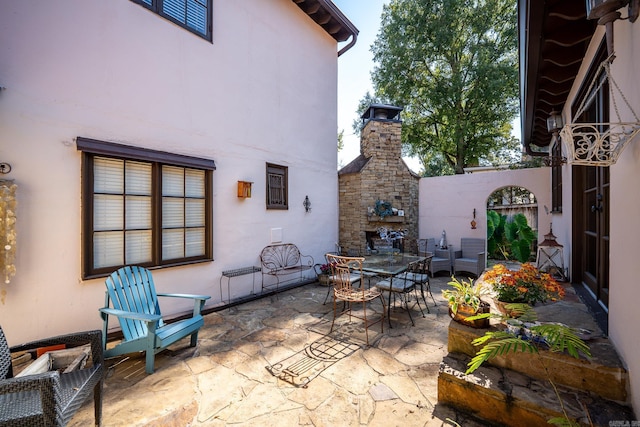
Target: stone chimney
{"points": [[378, 174]]}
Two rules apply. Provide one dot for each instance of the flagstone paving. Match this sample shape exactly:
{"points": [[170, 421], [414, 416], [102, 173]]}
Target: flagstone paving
{"points": [[224, 380]]}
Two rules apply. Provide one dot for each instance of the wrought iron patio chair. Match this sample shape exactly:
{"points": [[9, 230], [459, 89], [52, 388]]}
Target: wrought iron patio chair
{"points": [[343, 271], [332, 259], [419, 273], [50, 398], [401, 285]]}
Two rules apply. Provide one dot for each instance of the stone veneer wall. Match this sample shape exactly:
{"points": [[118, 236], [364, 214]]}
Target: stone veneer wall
{"points": [[386, 177]]}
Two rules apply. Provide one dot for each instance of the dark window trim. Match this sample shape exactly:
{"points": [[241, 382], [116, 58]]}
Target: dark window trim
{"points": [[285, 174], [91, 148], [155, 8], [556, 178], [600, 56], [137, 153]]}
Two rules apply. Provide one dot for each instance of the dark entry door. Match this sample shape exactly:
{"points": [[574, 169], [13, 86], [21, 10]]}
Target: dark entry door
{"points": [[591, 216], [591, 195]]}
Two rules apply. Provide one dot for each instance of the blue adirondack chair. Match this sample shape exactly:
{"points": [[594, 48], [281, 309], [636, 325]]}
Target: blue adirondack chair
{"points": [[132, 294]]}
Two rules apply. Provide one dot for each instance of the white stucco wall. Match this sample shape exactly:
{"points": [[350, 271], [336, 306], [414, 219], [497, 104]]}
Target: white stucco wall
{"points": [[447, 202], [624, 315], [263, 91], [624, 206]]}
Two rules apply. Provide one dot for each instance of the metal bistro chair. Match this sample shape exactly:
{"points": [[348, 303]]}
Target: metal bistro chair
{"points": [[343, 271], [401, 285], [50, 398], [332, 259], [419, 273], [365, 274]]}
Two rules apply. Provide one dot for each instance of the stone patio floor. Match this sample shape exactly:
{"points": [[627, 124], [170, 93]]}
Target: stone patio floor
{"points": [[228, 378]]}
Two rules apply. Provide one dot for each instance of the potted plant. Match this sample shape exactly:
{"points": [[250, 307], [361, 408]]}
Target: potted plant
{"points": [[527, 285], [324, 276], [465, 302]]}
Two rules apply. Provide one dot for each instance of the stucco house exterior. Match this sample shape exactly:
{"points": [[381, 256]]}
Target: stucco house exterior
{"points": [[128, 126], [564, 47]]}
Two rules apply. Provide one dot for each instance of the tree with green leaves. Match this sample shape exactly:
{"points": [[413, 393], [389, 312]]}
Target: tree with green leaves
{"points": [[452, 65]]}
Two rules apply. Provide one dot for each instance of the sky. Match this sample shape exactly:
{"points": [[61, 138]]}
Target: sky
{"points": [[354, 72]]}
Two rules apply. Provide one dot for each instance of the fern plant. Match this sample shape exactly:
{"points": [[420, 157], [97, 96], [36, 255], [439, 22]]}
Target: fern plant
{"points": [[558, 337]]}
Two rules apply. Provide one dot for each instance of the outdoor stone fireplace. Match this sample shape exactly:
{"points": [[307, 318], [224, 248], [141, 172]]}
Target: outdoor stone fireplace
{"points": [[377, 189]]}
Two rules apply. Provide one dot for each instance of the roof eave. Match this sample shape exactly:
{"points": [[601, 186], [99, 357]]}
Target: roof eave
{"points": [[331, 19]]}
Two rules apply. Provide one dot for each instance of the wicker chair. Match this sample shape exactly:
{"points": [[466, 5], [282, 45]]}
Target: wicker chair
{"points": [[50, 398], [441, 260], [342, 272], [471, 256]]}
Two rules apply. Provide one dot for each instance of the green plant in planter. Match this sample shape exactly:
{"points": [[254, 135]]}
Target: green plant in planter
{"points": [[509, 239], [464, 293], [556, 337]]}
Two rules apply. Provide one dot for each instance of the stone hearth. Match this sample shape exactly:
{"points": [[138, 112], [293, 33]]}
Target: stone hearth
{"points": [[378, 174]]}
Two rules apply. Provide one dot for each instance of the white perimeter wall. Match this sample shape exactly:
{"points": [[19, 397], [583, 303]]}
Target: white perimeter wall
{"points": [[447, 202], [263, 91]]}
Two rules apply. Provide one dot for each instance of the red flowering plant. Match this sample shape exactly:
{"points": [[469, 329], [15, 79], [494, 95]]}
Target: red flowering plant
{"points": [[526, 285], [326, 268]]}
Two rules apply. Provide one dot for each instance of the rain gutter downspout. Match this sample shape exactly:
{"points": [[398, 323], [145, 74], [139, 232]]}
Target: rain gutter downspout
{"points": [[354, 38]]}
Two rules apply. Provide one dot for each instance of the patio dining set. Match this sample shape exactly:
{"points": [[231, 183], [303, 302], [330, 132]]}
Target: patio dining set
{"points": [[399, 275]]}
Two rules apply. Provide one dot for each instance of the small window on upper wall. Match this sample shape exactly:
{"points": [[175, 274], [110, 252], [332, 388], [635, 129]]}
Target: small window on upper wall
{"points": [[193, 15], [277, 187]]}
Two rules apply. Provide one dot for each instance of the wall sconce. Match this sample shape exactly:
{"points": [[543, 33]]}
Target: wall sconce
{"points": [[473, 221], [307, 204], [554, 122], [606, 11], [554, 125], [244, 189]]}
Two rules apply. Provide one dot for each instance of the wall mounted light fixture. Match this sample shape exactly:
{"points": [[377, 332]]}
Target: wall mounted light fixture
{"points": [[606, 11], [473, 221], [307, 204], [554, 125]]}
